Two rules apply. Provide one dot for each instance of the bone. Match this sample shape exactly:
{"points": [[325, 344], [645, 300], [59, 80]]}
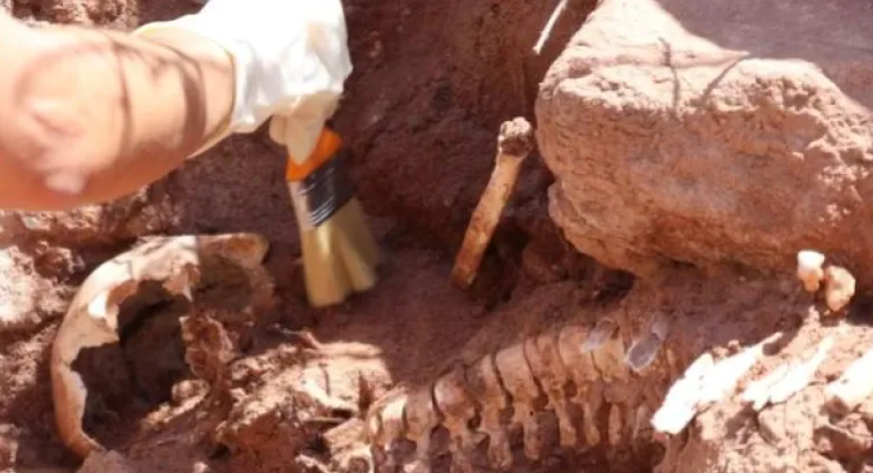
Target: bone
{"points": [[376, 442], [615, 426], [800, 375], [545, 362], [514, 144], [421, 420], [347, 451], [600, 334], [578, 362], [522, 388], [786, 380], [92, 317], [458, 408], [391, 424], [108, 461], [644, 350], [853, 387], [681, 403], [758, 392], [550, 25], [839, 287], [373, 423], [485, 387], [727, 373], [387, 427], [391, 427], [703, 384], [809, 269], [641, 424], [609, 359]]}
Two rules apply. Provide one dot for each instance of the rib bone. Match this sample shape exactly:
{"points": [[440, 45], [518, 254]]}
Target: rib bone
{"points": [[421, 420], [571, 346], [520, 383], [546, 365], [484, 385], [853, 387], [458, 408]]}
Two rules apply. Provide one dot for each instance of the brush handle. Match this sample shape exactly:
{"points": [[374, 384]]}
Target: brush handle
{"points": [[319, 186], [328, 145], [339, 253]]}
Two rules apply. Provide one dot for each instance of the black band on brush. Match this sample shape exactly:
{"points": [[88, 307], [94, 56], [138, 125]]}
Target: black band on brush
{"points": [[318, 197]]}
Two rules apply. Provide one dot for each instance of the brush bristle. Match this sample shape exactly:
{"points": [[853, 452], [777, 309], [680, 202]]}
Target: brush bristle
{"points": [[339, 256]]}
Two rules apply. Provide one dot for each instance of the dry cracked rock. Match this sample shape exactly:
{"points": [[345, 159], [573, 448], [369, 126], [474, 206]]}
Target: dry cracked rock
{"points": [[713, 133]]}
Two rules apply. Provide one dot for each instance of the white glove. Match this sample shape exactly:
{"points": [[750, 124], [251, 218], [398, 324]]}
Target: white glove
{"points": [[291, 60]]}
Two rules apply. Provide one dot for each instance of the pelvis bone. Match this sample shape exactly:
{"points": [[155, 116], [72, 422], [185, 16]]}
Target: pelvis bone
{"points": [[92, 317]]}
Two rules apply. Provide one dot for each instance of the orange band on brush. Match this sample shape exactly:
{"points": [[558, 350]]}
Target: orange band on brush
{"points": [[329, 143]]}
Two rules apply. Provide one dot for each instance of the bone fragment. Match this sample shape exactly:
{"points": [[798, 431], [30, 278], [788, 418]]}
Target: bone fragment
{"points": [[809, 269], [600, 334], [787, 380], [384, 426], [544, 358], [458, 408], [107, 461], [615, 425], [758, 392], [519, 382], [800, 375], [348, 451], [578, 362], [550, 25], [484, 385], [852, 387], [703, 384], [839, 287], [421, 420], [609, 360], [92, 317], [680, 404], [391, 425], [727, 373], [641, 425], [645, 350], [514, 144]]}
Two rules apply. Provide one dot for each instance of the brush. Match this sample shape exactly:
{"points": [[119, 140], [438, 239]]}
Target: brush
{"points": [[339, 252]]}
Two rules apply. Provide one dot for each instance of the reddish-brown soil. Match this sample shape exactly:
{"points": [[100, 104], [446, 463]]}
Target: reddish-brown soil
{"points": [[432, 83]]}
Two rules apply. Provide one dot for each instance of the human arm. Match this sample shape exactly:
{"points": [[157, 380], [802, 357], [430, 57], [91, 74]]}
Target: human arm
{"points": [[160, 96], [92, 115]]}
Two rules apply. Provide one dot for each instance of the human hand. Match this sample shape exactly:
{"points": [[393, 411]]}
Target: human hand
{"points": [[290, 59]]}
